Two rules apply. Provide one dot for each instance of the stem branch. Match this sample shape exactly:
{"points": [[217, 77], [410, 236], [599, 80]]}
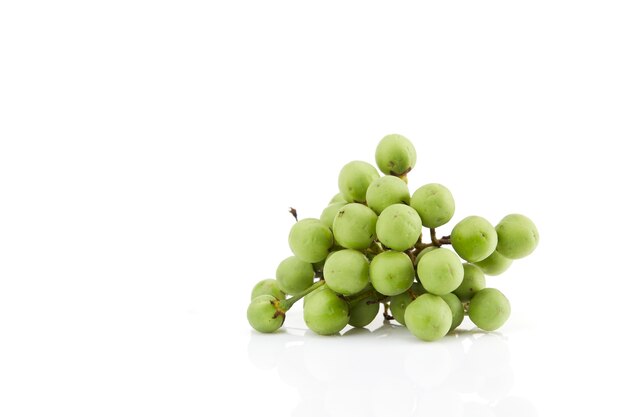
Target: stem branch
{"points": [[286, 304]]}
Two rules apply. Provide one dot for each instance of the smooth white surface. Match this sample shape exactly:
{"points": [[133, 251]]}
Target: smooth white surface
{"points": [[149, 152]]}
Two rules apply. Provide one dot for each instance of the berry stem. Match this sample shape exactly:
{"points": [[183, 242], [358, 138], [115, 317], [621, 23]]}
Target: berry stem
{"points": [[294, 213], [434, 241], [285, 305], [386, 314]]}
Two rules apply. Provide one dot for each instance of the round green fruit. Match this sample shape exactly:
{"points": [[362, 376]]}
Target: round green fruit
{"points": [[428, 317], [310, 240], [517, 236], [489, 309], [263, 314], [395, 155], [474, 238], [434, 203], [354, 179], [354, 226]]}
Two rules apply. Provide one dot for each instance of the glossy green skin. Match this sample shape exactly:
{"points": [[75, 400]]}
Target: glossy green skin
{"points": [[494, 264], [355, 226], [354, 179], [267, 287], [423, 252], [473, 281], [398, 227], [392, 273], [395, 155], [428, 317], [489, 309], [386, 191], [400, 302], [346, 271], [517, 236], [337, 198], [294, 275], [440, 271], [474, 238], [434, 203], [325, 313], [262, 314], [362, 313], [310, 240], [456, 307], [328, 215]]}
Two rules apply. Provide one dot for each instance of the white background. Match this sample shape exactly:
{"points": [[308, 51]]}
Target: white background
{"points": [[149, 152]]}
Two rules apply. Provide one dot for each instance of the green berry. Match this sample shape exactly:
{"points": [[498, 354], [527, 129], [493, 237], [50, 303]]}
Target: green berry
{"points": [[398, 227], [434, 203], [310, 240], [392, 273], [474, 238], [386, 191], [473, 281], [423, 252], [428, 317], [263, 314], [267, 287], [517, 236], [354, 179], [294, 275], [337, 198], [325, 312], [440, 271], [363, 312], [355, 226], [395, 155], [489, 309], [329, 213], [346, 271], [456, 307], [400, 302], [494, 264]]}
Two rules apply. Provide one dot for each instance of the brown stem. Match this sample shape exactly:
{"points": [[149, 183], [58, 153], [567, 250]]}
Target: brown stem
{"points": [[433, 237], [386, 314], [294, 213]]}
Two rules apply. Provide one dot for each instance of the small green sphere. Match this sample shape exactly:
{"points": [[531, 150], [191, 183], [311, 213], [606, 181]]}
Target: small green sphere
{"points": [[386, 191], [294, 275], [474, 238], [267, 287], [363, 312], [473, 281], [434, 203], [337, 198], [395, 155], [355, 226], [428, 317], [398, 227], [400, 302], [310, 240], [328, 215], [494, 264], [456, 307], [489, 309], [440, 271], [263, 315], [354, 179], [325, 312], [346, 271], [392, 273], [423, 252], [517, 236]]}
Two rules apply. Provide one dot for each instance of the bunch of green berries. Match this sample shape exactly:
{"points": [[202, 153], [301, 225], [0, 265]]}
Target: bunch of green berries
{"points": [[367, 249]]}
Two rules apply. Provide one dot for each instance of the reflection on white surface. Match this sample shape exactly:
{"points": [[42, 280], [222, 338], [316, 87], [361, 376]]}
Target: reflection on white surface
{"points": [[387, 372]]}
